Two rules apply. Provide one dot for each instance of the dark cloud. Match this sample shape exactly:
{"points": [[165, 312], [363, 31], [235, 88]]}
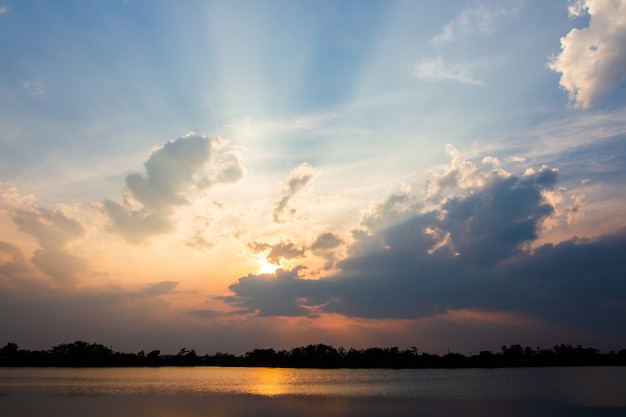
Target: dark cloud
{"points": [[173, 174], [12, 263], [271, 295], [326, 246], [160, 288], [298, 179], [326, 241], [394, 208], [491, 224], [469, 253]]}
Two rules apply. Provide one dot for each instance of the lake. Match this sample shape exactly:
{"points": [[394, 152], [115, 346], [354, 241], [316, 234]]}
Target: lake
{"points": [[238, 392]]}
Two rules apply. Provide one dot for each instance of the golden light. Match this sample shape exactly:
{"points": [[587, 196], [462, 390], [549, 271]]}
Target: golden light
{"points": [[271, 382], [267, 267]]}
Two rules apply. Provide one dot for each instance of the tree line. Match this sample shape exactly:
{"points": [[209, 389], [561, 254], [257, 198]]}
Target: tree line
{"points": [[84, 354]]}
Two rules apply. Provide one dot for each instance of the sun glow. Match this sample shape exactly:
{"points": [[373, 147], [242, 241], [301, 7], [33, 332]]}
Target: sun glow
{"points": [[271, 382], [267, 267]]}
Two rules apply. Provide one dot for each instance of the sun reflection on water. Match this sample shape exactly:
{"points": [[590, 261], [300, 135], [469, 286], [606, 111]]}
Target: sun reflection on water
{"points": [[270, 382]]}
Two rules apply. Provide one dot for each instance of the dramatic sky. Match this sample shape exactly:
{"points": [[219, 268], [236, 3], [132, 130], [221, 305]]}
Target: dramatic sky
{"points": [[227, 175]]}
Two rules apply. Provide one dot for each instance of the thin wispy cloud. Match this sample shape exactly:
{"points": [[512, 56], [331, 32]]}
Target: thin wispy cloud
{"points": [[437, 69], [480, 19]]}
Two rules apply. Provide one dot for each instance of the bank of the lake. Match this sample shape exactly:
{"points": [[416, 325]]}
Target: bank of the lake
{"points": [[84, 354]]}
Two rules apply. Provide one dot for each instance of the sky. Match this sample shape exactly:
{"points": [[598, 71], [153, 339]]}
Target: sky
{"points": [[231, 175]]}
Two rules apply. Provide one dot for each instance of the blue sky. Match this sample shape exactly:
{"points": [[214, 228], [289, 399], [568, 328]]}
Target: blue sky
{"points": [[243, 174]]}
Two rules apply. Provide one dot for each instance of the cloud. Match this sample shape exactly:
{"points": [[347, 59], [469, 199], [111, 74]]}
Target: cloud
{"points": [[471, 252], [483, 18], [157, 289], [436, 69], [174, 174], [592, 61], [326, 241], [459, 176], [325, 246], [53, 230], [493, 222], [13, 265], [274, 295], [4, 10], [35, 88], [297, 181], [275, 253], [394, 208]]}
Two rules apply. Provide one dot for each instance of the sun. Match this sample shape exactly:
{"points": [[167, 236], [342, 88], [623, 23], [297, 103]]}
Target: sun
{"points": [[267, 267]]}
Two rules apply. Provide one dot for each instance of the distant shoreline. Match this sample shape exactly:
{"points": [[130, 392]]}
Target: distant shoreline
{"points": [[320, 356]]}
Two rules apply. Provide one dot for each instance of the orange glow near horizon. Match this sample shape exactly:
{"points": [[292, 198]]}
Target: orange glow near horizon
{"points": [[270, 382]]}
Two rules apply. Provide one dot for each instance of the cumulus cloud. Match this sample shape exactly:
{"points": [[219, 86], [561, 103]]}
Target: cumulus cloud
{"points": [[492, 223], [272, 296], [325, 246], [13, 264], [326, 241], [393, 208], [435, 69], [459, 174], [592, 61], [53, 230], [174, 173], [299, 178], [470, 252], [482, 18]]}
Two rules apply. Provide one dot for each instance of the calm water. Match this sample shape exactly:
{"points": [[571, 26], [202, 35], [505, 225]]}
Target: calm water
{"points": [[234, 392]]}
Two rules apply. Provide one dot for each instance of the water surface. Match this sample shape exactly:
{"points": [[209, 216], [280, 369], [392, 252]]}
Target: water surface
{"points": [[234, 392]]}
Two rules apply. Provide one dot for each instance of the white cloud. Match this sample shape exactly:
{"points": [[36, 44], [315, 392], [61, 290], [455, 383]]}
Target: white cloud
{"points": [[592, 61], [480, 19], [491, 160], [35, 88], [297, 181], [438, 70], [3, 10], [459, 175], [576, 9]]}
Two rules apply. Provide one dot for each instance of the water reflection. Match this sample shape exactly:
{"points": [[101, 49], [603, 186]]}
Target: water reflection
{"points": [[238, 392], [270, 382]]}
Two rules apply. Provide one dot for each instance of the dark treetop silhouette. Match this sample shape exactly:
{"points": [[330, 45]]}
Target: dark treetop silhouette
{"points": [[80, 353]]}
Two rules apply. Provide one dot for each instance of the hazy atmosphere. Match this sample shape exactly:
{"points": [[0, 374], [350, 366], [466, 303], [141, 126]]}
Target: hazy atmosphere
{"points": [[230, 175]]}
